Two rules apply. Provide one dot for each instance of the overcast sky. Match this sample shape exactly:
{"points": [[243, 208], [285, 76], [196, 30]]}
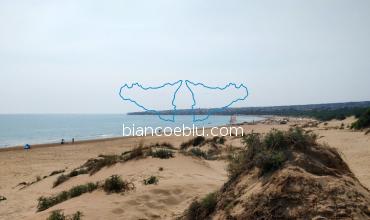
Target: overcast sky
{"points": [[73, 56]]}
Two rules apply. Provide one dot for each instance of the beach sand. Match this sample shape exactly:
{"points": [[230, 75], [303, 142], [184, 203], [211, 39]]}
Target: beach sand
{"points": [[183, 178]]}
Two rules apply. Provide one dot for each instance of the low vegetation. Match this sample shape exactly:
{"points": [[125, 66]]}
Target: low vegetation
{"points": [[64, 177], [151, 180], [2, 198], [197, 152], [55, 172], [199, 210], [114, 184], [269, 152], [47, 202], [161, 153], [363, 121], [59, 215], [94, 165], [197, 141]]}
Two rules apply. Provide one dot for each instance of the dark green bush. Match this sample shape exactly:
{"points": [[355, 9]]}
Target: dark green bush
{"points": [[198, 140], [81, 189], [64, 177], [151, 180], [194, 211], [196, 151], [47, 202], [209, 203], [199, 210], [268, 153], [162, 153], [55, 172], [114, 184], [275, 139], [362, 122], [59, 215], [136, 153]]}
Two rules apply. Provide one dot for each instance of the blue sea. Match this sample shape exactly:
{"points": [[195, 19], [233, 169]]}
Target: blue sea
{"points": [[23, 129]]}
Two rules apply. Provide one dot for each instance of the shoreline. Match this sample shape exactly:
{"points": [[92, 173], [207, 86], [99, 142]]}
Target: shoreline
{"points": [[102, 139]]}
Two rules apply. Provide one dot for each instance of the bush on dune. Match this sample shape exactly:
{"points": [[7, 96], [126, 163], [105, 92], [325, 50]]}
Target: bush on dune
{"points": [[269, 152], [114, 184], [59, 215], [197, 141], [47, 202], [362, 122], [161, 153], [198, 210], [151, 180]]}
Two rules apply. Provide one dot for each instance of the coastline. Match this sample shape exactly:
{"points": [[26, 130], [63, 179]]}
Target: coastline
{"points": [[102, 139], [183, 178]]}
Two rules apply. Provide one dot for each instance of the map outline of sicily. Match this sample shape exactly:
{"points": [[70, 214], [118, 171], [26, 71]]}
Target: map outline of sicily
{"points": [[142, 96]]}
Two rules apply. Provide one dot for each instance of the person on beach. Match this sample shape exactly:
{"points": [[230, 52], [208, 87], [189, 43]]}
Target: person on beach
{"points": [[27, 147], [62, 142]]}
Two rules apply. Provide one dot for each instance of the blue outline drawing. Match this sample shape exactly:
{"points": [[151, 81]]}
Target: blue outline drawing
{"points": [[147, 88], [187, 82]]}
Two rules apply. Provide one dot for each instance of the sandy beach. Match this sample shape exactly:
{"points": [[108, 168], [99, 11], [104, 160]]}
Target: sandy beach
{"points": [[182, 179]]}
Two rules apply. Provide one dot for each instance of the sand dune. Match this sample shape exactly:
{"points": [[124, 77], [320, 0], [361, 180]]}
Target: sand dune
{"points": [[182, 180]]}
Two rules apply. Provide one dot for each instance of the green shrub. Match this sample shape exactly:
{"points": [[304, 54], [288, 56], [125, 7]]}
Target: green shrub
{"points": [[198, 140], [76, 216], [81, 189], [162, 153], [218, 140], [58, 215], [275, 139], [114, 184], [198, 152], [151, 180], [270, 161], [47, 202], [362, 122], [163, 144], [55, 172], [199, 210], [136, 153], [94, 165], [209, 203], [194, 211], [269, 152]]}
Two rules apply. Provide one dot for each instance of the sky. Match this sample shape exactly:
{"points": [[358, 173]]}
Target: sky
{"points": [[73, 56]]}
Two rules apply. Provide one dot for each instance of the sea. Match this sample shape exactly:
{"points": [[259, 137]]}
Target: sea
{"points": [[21, 129]]}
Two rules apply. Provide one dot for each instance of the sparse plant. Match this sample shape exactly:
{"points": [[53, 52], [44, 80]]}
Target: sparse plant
{"points": [[55, 172], [362, 122], [197, 141], [268, 153], [47, 202], [114, 184], [209, 203], [199, 210], [197, 152], [162, 153], [160, 168], [59, 215], [151, 180]]}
